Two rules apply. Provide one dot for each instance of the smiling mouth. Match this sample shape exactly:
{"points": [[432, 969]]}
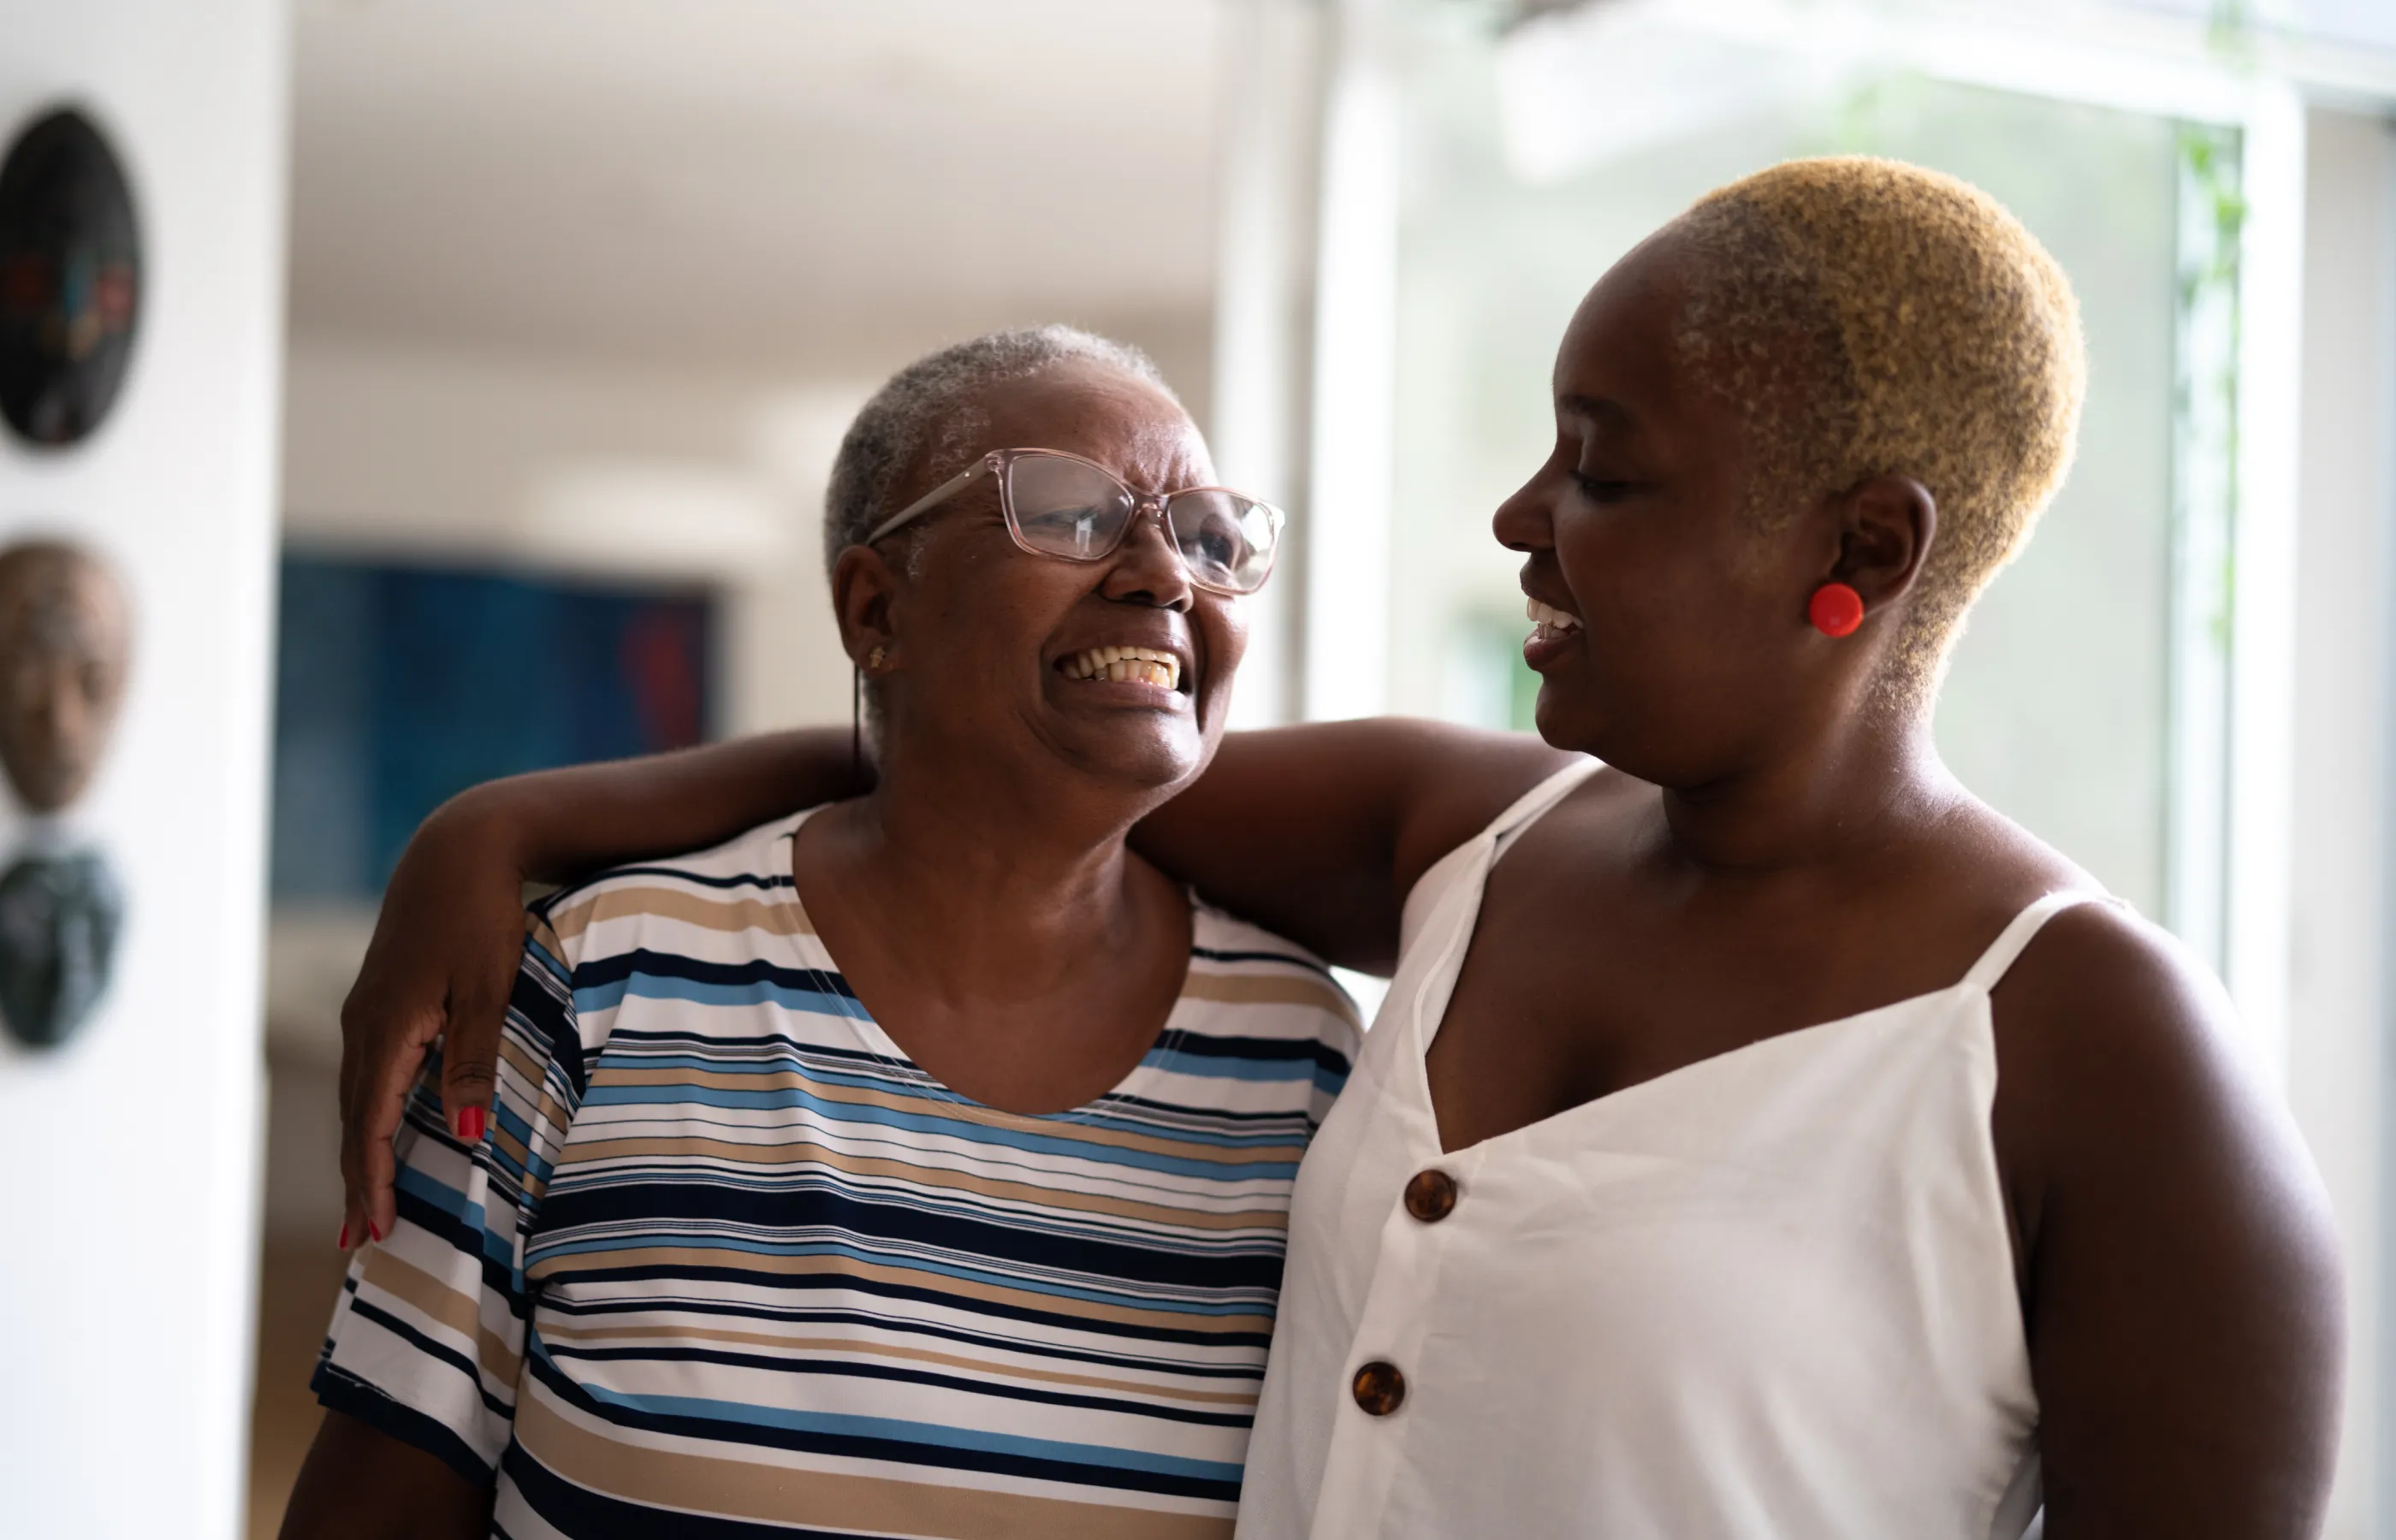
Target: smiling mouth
{"points": [[1550, 623], [1124, 666]]}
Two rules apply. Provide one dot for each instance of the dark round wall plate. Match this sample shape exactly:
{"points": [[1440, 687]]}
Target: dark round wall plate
{"points": [[69, 279]]}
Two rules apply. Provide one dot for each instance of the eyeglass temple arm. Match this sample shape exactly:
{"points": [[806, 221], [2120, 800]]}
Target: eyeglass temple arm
{"points": [[924, 503]]}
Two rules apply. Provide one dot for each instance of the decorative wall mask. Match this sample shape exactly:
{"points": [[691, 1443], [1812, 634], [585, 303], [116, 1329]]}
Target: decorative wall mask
{"points": [[65, 647], [69, 279]]}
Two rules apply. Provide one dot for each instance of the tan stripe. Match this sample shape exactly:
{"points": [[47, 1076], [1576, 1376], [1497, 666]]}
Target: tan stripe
{"points": [[534, 1072], [882, 1272], [551, 1114], [1272, 989], [740, 1489], [733, 912], [436, 1300], [517, 1057], [806, 1151], [513, 1148], [632, 1074], [917, 1355]]}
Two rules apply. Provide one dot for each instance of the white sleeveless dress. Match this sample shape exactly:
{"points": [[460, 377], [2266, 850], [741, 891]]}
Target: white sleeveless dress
{"points": [[1771, 1294]]}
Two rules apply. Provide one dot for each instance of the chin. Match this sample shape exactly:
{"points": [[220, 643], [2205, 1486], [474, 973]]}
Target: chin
{"points": [[1568, 721], [1141, 761]]}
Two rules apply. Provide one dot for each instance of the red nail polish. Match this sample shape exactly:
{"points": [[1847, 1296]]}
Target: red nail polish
{"points": [[344, 1241], [374, 1230], [470, 1124]]}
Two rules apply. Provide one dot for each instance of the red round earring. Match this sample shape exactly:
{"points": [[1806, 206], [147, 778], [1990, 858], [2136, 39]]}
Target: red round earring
{"points": [[1835, 609]]}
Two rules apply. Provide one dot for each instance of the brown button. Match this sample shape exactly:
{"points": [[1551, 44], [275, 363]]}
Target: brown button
{"points": [[1431, 1195], [1379, 1388]]}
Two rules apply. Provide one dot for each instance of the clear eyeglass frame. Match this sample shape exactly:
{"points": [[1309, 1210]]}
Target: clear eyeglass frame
{"points": [[1003, 463]]}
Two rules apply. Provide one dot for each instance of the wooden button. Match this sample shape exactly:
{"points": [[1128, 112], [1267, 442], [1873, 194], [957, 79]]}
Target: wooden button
{"points": [[1431, 1195], [1379, 1388]]}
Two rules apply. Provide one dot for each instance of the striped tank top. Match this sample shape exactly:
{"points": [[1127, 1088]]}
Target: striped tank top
{"points": [[728, 1264]]}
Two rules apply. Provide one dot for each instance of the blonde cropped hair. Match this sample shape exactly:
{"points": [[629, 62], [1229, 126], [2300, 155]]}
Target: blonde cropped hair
{"points": [[1872, 318]]}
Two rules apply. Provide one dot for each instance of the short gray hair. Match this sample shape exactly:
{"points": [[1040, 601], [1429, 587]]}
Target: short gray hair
{"points": [[932, 412]]}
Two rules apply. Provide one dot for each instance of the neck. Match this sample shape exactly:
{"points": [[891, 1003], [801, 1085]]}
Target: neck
{"points": [[990, 886], [1866, 782]]}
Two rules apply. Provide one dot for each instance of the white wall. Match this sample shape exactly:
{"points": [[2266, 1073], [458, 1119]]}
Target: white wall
{"points": [[2340, 924], [128, 1160]]}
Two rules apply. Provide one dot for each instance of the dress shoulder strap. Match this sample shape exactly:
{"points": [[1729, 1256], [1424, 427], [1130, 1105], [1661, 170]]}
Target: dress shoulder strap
{"points": [[1528, 807], [2009, 943]]}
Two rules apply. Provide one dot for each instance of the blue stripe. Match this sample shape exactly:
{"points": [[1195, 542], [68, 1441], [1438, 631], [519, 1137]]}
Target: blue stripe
{"points": [[751, 1246], [931, 1435]]}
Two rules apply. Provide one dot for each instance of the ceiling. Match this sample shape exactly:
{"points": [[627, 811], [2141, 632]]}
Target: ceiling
{"points": [[745, 182]]}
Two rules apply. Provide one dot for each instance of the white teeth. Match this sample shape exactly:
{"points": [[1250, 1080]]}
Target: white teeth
{"points": [[1126, 665], [1550, 619]]}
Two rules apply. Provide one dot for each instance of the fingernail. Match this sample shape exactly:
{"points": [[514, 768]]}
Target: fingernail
{"points": [[470, 1124], [344, 1241], [374, 1230]]}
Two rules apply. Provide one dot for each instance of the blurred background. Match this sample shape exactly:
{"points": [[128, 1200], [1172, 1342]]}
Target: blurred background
{"points": [[493, 358]]}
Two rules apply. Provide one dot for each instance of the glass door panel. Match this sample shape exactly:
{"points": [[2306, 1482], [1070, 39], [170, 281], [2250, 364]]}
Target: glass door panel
{"points": [[2059, 706]]}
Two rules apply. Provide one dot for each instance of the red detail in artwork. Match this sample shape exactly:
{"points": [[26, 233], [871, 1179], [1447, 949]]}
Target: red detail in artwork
{"points": [[659, 657]]}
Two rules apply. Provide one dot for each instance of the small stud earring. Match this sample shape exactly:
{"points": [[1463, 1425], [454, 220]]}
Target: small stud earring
{"points": [[1835, 609], [874, 659]]}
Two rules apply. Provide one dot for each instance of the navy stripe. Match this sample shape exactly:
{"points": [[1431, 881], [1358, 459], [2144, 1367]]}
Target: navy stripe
{"points": [[1194, 1335], [632, 1203], [853, 1369], [857, 1446]]}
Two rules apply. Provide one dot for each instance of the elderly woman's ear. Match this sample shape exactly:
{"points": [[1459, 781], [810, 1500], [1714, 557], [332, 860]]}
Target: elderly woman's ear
{"points": [[863, 583]]}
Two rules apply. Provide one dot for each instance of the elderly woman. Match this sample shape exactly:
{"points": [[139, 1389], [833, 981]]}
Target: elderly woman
{"points": [[916, 1165], [1762, 1136]]}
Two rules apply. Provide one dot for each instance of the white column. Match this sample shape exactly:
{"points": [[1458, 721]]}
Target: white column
{"points": [[1347, 626], [131, 1154], [1269, 147], [2263, 553]]}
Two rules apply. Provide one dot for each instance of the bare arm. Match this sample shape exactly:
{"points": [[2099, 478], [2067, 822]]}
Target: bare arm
{"points": [[1320, 832], [451, 929], [1316, 831], [362, 1484], [2183, 1289]]}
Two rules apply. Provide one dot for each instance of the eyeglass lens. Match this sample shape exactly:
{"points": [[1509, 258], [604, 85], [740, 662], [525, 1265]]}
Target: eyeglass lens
{"points": [[1067, 509]]}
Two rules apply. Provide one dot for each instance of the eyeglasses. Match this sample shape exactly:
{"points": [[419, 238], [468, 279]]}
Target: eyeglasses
{"points": [[1057, 504]]}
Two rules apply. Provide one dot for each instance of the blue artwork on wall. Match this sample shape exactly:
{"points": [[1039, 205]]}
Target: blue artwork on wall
{"points": [[398, 686]]}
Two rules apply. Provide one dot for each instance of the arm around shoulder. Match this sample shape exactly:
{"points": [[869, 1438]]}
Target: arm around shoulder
{"points": [[443, 954], [1319, 832], [2182, 1284]]}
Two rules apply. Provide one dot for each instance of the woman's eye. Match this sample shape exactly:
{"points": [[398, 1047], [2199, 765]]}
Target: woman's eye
{"points": [[1076, 529], [1217, 542], [1601, 488]]}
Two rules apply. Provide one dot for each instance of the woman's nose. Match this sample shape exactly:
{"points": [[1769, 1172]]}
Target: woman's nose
{"points": [[1148, 569], [1526, 521]]}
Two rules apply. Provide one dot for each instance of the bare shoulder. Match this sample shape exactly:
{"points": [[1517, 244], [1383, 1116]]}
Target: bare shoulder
{"points": [[2105, 998], [2120, 1055], [2131, 1114], [2115, 1043], [2182, 1285]]}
